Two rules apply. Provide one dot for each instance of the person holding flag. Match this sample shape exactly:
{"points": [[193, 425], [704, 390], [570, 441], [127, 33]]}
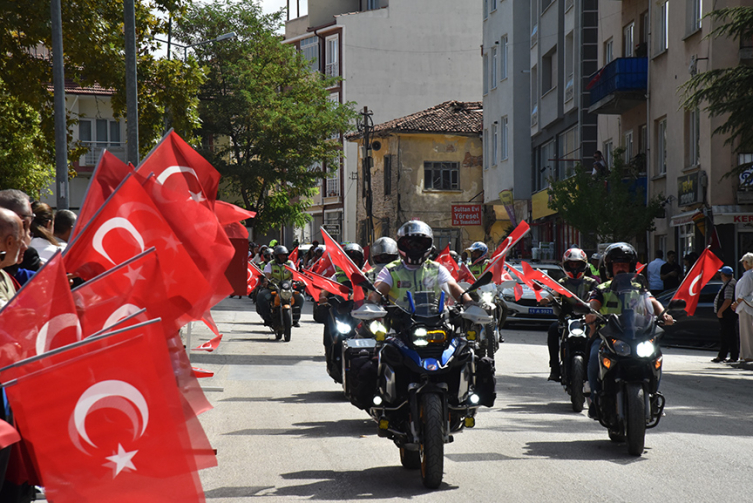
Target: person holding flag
{"points": [[575, 264], [618, 258], [276, 272], [479, 254], [383, 252]]}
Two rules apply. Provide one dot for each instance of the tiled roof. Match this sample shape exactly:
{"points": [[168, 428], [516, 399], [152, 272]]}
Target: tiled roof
{"points": [[450, 117], [72, 87]]}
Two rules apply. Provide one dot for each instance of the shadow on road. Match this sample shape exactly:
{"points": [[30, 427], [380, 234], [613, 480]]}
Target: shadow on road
{"points": [[582, 450], [236, 492], [323, 429], [253, 359], [313, 397]]}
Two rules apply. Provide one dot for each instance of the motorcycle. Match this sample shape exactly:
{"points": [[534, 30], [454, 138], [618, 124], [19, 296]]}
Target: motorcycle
{"points": [[430, 382], [339, 325], [487, 336], [281, 308], [630, 361]]}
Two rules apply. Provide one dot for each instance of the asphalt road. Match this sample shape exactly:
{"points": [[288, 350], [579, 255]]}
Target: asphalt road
{"points": [[284, 431]]}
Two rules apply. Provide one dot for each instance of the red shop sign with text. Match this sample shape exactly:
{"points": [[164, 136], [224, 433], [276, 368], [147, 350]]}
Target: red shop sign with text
{"points": [[466, 214]]}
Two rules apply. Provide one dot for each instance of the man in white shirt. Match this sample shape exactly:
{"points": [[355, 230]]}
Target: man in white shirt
{"points": [[655, 283]]}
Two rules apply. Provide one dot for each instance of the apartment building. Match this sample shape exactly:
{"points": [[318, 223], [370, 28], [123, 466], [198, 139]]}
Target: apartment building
{"points": [[647, 51], [396, 57]]}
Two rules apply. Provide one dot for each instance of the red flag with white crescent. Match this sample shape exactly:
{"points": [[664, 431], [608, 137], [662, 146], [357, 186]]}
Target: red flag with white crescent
{"points": [[214, 342], [40, 317], [253, 277], [340, 259], [446, 260], [534, 274], [113, 422], [701, 273]]}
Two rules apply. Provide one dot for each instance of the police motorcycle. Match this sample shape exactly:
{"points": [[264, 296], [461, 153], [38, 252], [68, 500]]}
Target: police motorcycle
{"points": [[573, 353], [430, 382], [630, 361], [491, 301]]}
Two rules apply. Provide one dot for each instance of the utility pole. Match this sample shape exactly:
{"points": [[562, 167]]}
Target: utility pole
{"points": [[368, 163], [61, 129], [132, 96]]}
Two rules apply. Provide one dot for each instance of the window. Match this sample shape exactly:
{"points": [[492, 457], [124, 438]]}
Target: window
{"points": [[545, 4], [608, 51], [628, 42], [694, 15], [495, 143], [661, 147], [441, 176], [387, 175], [686, 233], [494, 5], [494, 67], [746, 176], [486, 74], [642, 139], [534, 96], [372, 4], [606, 151], [549, 71], [98, 134], [569, 72], [503, 58], [503, 147], [486, 9], [333, 181], [310, 50], [662, 41], [534, 35], [694, 137], [628, 146], [486, 148], [546, 165], [569, 153], [332, 68]]}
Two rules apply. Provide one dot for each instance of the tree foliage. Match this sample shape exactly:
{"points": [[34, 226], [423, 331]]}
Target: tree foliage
{"points": [[612, 208], [93, 45], [270, 115], [727, 92]]}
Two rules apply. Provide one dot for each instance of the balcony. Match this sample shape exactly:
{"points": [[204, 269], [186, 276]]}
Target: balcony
{"points": [[746, 51], [619, 86]]}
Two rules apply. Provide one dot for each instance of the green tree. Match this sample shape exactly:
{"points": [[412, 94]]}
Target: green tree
{"points": [[94, 53], [269, 116], [612, 208], [727, 92]]}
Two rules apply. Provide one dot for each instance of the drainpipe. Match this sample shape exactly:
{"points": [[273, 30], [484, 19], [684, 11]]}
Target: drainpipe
{"points": [[649, 124]]}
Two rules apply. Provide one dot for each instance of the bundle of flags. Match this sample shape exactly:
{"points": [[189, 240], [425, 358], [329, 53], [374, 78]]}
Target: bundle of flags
{"points": [[100, 385]]}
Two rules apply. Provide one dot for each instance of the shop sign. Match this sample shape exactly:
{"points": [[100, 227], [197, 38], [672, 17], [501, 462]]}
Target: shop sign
{"points": [[687, 189], [466, 214]]}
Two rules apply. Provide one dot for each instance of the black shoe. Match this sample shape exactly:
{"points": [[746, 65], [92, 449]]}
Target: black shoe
{"points": [[592, 411], [297, 325], [718, 360], [554, 375]]}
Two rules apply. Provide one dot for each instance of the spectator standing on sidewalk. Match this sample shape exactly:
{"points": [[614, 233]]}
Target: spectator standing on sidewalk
{"points": [[671, 272], [743, 306], [655, 283], [727, 317]]}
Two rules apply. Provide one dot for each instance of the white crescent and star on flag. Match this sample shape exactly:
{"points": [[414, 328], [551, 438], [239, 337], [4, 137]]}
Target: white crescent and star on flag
{"points": [[111, 224]]}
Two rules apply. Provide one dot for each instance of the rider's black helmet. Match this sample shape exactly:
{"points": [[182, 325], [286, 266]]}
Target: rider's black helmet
{"points": [[355, 252], [620, 252], [384, 251], [267, 254], [414, 242], [281, 250]]}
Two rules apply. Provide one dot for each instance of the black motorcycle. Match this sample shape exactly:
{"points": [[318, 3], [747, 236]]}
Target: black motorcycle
{"points": [[281, 308], [573, 358], [339, 325], [430, 382], [630, 361]]}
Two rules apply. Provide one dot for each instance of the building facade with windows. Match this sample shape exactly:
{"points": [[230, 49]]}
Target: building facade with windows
{"points": [[507, 132], [648, 51], [428, 166], [395, 57]]}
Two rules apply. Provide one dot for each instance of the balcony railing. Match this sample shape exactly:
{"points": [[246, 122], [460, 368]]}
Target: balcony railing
{"points": [[619, 86], [96, 148]]}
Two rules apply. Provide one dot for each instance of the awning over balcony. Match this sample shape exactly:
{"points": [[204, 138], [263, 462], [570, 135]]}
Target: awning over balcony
{"points": [[619, 86]]}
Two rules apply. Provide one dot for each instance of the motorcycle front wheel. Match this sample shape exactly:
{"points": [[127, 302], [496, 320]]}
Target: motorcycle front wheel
{"points": [[287, 323], [432, 447], [492, 344], [636, 418], [577, 373]]}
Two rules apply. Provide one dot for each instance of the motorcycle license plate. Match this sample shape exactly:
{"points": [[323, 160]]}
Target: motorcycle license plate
{"points": [[540, 310]]}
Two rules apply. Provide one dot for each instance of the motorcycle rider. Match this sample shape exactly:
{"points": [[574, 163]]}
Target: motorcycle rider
{"points": [[478, 252], [575, 264], [383, 251], [618, 258], [275, 271]]}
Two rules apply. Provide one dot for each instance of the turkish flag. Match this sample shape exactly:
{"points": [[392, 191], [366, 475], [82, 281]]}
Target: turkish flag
{"points": [[506, 245], [323, 266], [178, 167], [40, 317], [518, 289], [701, 273], [214, 342], [253, 277], [535, 288], [535, 275], [113, 422], [128, 224], [108, 174], [446, 260], [293, 257], [8, 435], [639, 267], [465, 274], [228, 213], [123, 290], [340, 259], [204, 240], [316, 283]]}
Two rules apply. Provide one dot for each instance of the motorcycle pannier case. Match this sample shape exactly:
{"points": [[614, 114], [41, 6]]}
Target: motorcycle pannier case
{"points": [[359, 371]]}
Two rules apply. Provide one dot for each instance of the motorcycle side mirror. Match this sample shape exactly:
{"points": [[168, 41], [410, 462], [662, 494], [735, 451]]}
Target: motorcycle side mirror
{"points": [[676, 305], [484, 279], [369, 312], [510, 283]]}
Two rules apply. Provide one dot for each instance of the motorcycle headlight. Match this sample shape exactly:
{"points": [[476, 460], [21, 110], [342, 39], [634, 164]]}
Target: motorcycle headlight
{"points": [[645, 349], [487, 297], [377, 326], [342, 327], [420, 337], [622, 348], [286, 294], [577, 332]]}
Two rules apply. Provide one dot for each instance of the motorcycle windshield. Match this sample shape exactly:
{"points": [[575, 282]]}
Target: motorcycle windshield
{"points": [[425, 304], [637, 312]]}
